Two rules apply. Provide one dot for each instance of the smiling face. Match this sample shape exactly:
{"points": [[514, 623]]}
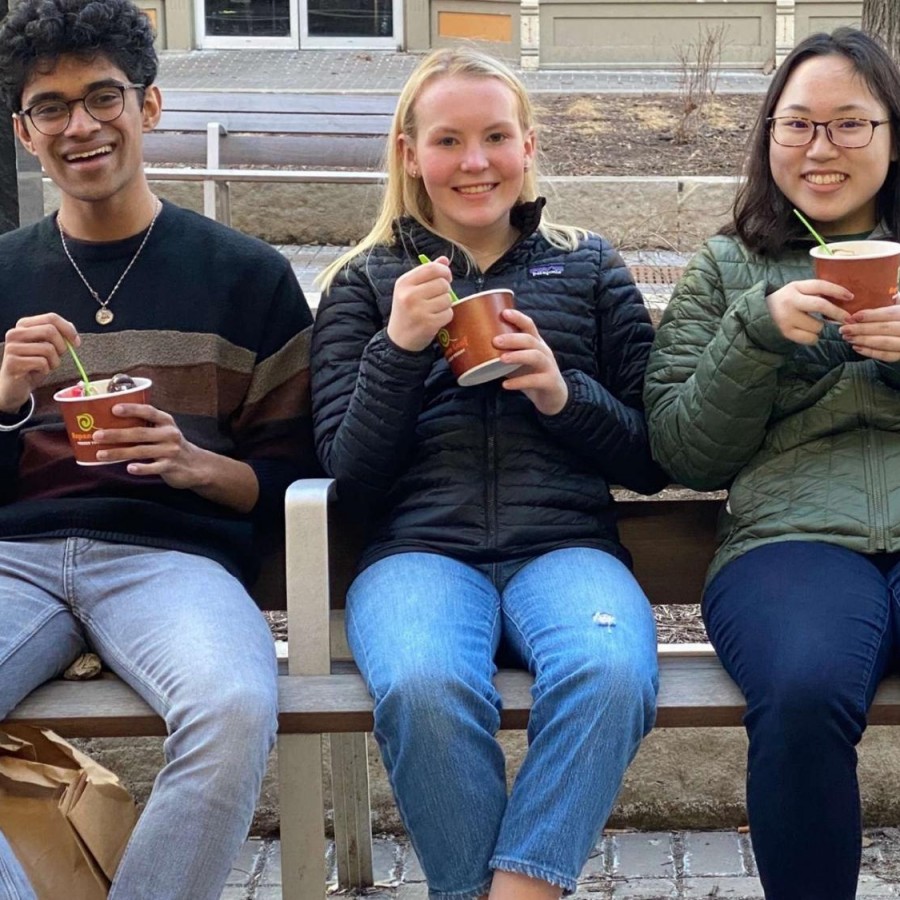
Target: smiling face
{"points": [[833, 186], [471, 152], [95, 163]]}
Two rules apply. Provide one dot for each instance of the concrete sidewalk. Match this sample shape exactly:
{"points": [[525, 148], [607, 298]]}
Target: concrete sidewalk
{"points": [[710, 865], [381, 71]]}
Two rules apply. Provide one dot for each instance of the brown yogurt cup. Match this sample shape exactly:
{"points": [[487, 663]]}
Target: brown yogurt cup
{"points": [[85, 415], [467, 340], [867, 268]]}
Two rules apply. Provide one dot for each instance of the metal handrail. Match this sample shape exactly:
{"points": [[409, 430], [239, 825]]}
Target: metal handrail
{"points": [[289, 176]]}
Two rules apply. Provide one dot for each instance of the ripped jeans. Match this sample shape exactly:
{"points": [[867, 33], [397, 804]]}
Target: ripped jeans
{"points": [[424, 630]]}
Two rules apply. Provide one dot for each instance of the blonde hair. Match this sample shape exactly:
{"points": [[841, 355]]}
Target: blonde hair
{"points": [[405, 195]]}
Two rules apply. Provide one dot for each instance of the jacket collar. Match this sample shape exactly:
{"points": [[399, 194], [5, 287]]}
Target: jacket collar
{"points": [[879, 233], [416, 239]]}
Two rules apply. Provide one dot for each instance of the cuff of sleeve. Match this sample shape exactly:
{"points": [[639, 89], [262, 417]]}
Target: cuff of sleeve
{"points": [[753, 310], [16, 420]]}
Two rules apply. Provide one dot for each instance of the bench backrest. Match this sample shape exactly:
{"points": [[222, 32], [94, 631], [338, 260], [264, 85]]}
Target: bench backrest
{"points": [[278, 130], [671, 541]]}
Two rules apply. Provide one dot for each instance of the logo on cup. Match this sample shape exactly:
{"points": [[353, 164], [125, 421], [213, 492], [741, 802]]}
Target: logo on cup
{"points": [[85, 421], [443, 337]]}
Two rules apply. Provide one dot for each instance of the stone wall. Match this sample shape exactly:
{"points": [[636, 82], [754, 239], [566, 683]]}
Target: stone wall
{"points": [[684, 778], [669, 212]]}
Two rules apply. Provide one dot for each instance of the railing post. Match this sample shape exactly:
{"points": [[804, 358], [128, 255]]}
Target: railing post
{"points": [[30, 179], [21, 185], [216, 201]]}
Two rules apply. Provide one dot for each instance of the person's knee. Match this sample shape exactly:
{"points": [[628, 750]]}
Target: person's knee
{"points": [[805, 708], [618, 686], [435, 698], [247, 710]]}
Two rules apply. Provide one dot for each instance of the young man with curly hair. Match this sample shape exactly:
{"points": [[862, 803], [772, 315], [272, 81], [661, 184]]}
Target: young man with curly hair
{"points": [[143, 559]]}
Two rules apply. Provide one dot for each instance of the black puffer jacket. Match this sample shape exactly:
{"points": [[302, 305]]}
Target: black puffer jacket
{"points": [[477, 473]]}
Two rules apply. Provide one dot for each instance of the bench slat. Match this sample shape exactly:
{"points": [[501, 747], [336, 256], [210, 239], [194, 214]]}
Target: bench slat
{"points": [[672, 542], [276, 151], [267, 101], [693, 692], [276, 123]]}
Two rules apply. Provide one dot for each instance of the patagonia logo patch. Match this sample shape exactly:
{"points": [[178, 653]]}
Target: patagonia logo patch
{"points": [[544, 271]]}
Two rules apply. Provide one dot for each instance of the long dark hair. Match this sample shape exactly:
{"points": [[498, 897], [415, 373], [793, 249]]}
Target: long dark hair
{"points": [[762, 214]]}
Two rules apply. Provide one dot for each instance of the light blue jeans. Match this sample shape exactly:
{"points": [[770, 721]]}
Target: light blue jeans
{"points": [[424, 630], [187, 637]]}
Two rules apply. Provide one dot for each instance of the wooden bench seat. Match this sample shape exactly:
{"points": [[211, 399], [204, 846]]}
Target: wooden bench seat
{"points": [[320, 691]]}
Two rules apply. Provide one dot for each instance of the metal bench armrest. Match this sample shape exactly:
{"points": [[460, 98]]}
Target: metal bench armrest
{"points": [[308, 583]]}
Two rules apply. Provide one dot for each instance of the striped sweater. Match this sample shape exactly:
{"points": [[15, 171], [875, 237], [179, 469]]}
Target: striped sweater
{"points": [[218, 322]]}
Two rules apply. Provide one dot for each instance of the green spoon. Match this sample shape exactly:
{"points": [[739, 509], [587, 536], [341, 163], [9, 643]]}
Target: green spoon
{"points": [[424, 259], [88, 387], [813, 232]]}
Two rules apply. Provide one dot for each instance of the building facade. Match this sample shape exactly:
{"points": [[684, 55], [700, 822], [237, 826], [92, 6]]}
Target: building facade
{"points": [[754, 34]]}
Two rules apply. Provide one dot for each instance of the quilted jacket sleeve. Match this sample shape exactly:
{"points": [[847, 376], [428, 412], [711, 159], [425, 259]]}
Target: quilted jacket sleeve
{"points": [[367, 392], [889, 374], [604, 419], [713, 371]]}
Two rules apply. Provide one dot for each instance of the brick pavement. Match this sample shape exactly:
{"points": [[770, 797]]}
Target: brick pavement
{"points": [[711, 865], [308, 260], [382, 71]]}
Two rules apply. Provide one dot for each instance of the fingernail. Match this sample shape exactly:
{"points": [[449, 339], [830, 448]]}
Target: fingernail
{"points": [[102, 454]]}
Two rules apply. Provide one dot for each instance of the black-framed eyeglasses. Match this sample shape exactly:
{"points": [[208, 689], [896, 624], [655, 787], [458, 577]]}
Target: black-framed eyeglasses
{"points": [[850, 133], [105, 104]]}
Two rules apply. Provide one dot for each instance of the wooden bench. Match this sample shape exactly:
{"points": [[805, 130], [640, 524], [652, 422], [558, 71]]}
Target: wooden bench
{"points": [[320, 691], [220, 131]]}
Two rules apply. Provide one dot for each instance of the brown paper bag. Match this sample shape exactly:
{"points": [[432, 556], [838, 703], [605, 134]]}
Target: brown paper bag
{"points": [[66, 817]]}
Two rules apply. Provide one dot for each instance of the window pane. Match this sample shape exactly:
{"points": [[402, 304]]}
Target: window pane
{"points": [[248, 18], [351, 18]]}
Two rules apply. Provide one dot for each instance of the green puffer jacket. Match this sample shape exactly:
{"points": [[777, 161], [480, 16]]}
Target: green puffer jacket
{"points": [[805, 438]]}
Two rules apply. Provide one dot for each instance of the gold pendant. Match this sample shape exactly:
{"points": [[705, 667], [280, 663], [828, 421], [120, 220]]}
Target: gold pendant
{"points": [[104, 316]]}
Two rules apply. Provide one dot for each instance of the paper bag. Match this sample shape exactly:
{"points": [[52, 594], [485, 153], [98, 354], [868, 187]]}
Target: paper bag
{"points": [[66, 817]]}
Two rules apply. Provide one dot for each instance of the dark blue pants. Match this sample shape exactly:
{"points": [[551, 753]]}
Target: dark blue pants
{"points": [[807, 630]]}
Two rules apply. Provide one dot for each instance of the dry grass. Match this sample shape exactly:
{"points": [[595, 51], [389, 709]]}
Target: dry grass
{"points": [[679, 624], [674, 624]]}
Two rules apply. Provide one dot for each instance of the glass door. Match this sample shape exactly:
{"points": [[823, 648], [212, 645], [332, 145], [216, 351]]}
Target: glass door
{"points": [[368, 24], [233, 24]]}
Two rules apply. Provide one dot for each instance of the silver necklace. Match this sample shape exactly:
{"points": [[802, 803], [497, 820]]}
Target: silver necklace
{"points": [[104, 315]]}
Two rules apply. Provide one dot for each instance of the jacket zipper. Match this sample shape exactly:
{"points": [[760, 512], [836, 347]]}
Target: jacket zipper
{"points": [[874, 468], [491, 403]]}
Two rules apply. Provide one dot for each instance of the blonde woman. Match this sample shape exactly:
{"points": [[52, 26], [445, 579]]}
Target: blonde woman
{"points": [[492, 523]]}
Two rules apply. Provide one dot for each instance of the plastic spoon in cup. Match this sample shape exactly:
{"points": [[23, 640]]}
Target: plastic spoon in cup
{"points": [[814, 233], [424, 259], [88, 387]]}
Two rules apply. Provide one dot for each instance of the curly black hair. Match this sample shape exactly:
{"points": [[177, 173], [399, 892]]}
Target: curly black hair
{"points": [[36, 33]]}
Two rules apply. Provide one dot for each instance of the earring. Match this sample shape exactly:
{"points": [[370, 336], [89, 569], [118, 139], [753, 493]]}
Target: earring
{"points": [[413, 172]]}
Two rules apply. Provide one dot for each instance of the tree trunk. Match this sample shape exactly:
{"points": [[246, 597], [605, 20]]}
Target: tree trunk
{"points": [[882, 18], [9, 188]]}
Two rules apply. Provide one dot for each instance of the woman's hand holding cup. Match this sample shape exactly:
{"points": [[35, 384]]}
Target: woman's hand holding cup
{"points": [[421, 305], [798, 309], [875, 332], [539, 379]]}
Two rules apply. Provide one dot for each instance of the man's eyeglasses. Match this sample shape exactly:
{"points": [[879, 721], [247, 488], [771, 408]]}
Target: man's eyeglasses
{"points": [[105, 104], [794, 131]]}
